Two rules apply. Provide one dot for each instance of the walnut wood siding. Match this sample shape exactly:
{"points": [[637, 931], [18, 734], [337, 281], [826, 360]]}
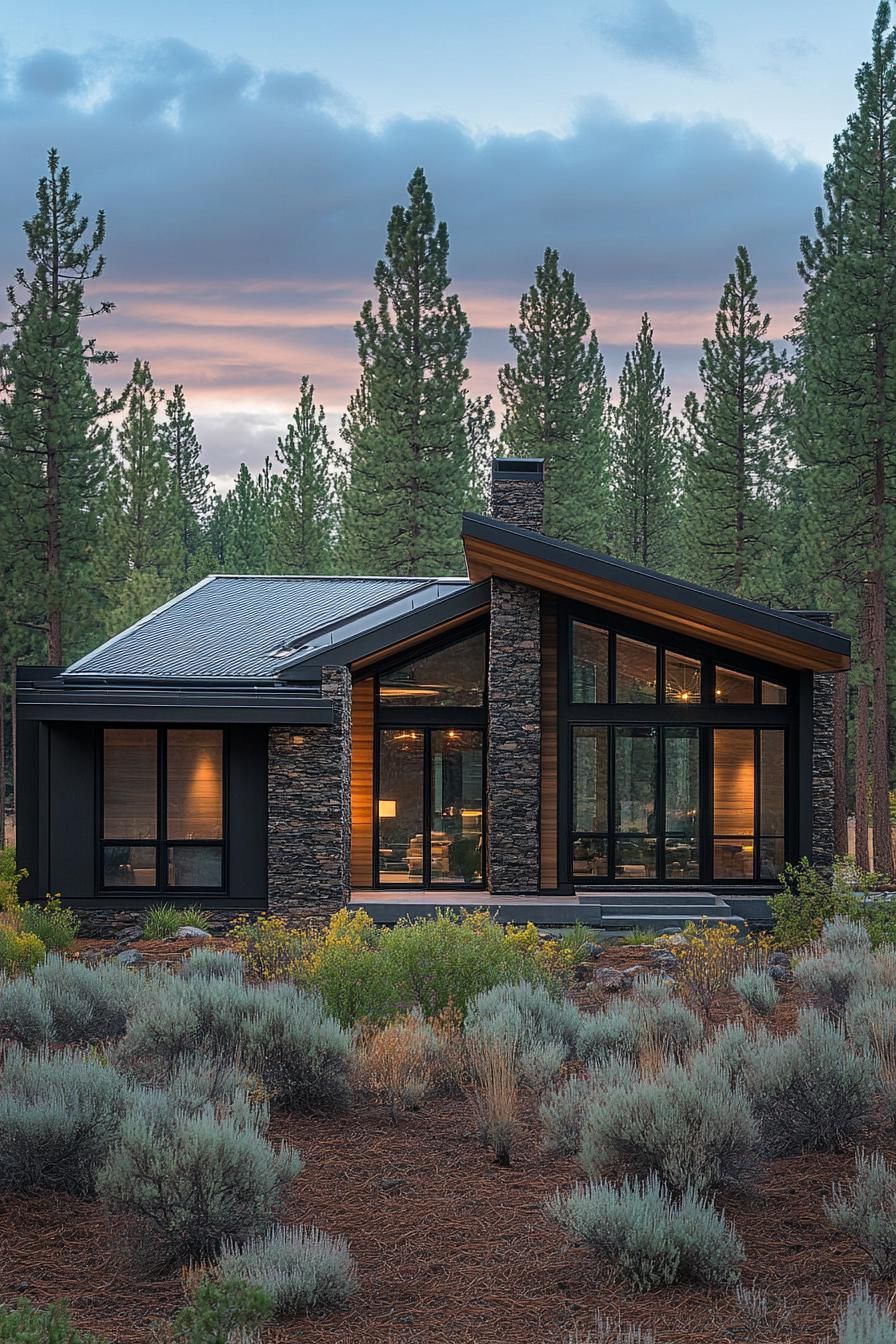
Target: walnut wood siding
{"points": [[549, 761], [362, 783]]}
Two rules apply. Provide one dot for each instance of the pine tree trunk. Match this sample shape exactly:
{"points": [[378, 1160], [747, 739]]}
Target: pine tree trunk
{"points": [[2, 758], [863, 860], [880, 733], [841, 825], [54, 614], [14, 734]]}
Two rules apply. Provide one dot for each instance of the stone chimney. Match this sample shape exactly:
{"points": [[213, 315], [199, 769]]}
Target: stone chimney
{"points": [[514, 695], [518, 491]]}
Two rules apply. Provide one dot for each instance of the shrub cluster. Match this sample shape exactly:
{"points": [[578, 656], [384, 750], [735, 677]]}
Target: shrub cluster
{"points": [[163, 921], [654, 1238], [87, 1003], [295, 1267], [757, 989], [24, 1324], [866, 1319], [865, 1211], [537, 1027], [397, 1063], [652, 1022], [226, 1312]]}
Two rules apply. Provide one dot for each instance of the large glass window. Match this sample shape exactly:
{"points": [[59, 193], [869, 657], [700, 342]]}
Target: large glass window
{"points": [[635, 672], [771, 802], [634, 812], [734, 688], [590, 801], [682, 679], [449, 677], [682, 803], [163, 808], [456, 806], [400, 805], [590, 664], [734, 789]]}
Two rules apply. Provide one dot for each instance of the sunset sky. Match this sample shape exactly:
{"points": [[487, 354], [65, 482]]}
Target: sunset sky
{"points": [[247, 157]]}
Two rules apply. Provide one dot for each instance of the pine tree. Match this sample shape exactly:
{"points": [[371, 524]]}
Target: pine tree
{"points": [[556, 404], [54, 444], [732, 466], [846, 341], [142, 560], [244, 523], [644, 460], [305, 522], [412, 470], [194, 489]]}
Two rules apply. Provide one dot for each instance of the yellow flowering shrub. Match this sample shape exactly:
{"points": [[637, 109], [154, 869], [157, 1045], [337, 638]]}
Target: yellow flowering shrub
{"points": [[269, 947], [712, 955], [19, 951]]}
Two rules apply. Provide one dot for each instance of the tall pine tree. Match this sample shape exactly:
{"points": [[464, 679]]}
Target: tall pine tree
{"points": [[244, 523], [732, 463], [412, 468], [141, 555], [644, 460], [305, 522], [556, 404], [54, 444], [846, 434], [194, 490]]}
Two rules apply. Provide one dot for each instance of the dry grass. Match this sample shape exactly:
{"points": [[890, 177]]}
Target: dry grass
{"points": [[396, 1063], [494, 1095]]}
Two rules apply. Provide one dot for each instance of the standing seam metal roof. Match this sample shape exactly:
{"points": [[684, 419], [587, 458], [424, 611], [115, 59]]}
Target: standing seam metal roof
{"points": [[230, 625]]}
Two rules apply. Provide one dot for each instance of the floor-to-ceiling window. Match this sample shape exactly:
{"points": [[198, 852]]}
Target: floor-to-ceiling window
{"points": [[676, 759], [430, 761]]}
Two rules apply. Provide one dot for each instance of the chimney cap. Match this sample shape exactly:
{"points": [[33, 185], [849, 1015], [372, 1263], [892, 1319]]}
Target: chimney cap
{"points": [[518, 469]]}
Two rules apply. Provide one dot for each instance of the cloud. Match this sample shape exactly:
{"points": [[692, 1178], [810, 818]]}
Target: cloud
{"points": [[652, 30], [50, 74], [246, 210]]}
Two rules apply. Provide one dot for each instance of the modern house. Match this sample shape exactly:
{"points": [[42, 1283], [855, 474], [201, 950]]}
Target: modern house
{"points": [[556, 726]]}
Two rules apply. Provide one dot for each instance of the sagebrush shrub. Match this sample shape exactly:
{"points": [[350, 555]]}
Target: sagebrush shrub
{"points": [[730, 1048], [866, 1319], [301, 1054], [607, 1330], [24, 1017], [179, 1016], [865, 1211], [615, 1031], [54, 924], [205, 964], [834, 976], [60, 1114], [525, 1012], [655, 1023], [811, 1091], [842, 934], [562, 1111], [25, 1324], [655, 1239], [757, 991], [196, 1179], [296, 1267], [690, 1126], [87, 1003]]}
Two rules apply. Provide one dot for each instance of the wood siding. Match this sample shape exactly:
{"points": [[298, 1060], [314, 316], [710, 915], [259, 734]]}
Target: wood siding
{"points": [[549, 757], [362, 783]]}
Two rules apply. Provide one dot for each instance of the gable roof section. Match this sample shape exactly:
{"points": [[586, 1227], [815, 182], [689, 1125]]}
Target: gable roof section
{"points": [[251, 627], [505, 551]]}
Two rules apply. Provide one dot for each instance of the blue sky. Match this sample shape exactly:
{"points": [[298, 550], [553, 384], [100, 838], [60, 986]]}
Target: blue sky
{"points": [[247, 156]]}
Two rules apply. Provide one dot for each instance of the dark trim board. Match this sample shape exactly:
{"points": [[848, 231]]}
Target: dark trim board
{"points": [[178, 705]]}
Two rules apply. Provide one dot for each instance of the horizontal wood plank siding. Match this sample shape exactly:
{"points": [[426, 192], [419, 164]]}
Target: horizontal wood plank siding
{"points": [[362, 783], [549, 760]]}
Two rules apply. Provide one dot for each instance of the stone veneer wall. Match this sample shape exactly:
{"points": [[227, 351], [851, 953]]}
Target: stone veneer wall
{"points": [[309, 808], [514, 709], [822, 759]]}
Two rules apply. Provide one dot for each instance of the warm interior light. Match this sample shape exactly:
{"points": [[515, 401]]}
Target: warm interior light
{"points": [[471, 811], [387, 807], [392, 692]]}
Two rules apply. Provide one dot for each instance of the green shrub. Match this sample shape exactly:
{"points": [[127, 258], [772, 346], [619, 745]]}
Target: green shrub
{"points": [[60, 1115], [24, 1017], [181, 1016], [865, 1211], [20, 951], [757, 991], [52, 922], [811, 1092], [297, 1267], [652, 1020], [204, 964], [87, 1003], [10, 877], [835, 975], [196, 1179], [222, 1313], [807, 899], [24, 1324], [866, 1320], [539, 1028], [354, 982], [653, 1238], [302, 1056]]}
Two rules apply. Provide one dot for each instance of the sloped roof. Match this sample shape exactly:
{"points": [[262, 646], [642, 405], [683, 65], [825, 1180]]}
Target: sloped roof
{"points": [[250, 627]]}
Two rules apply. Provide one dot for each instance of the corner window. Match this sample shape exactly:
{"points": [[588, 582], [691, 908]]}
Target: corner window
{"points": [[162, 808]]}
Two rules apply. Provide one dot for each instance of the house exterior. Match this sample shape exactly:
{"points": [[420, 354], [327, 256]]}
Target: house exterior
{"points": [[556, 723]]}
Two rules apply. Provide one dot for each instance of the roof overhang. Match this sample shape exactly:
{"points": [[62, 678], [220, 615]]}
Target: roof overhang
{"points": [[500, 550], [55, 701]]}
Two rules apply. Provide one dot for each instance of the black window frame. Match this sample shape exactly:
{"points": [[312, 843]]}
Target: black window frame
{"points": [[704, 715], [426, 720], [161, 844]]}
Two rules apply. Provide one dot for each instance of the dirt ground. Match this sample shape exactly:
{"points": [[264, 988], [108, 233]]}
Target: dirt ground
{"points": [[451, 1248]]}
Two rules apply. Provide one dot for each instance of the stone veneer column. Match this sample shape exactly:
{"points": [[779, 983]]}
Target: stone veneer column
{"points": [[822, 759], [514, 699], [309, 808]]}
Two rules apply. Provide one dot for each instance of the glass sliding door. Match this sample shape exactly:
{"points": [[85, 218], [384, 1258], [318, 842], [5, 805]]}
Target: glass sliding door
{"points": [[400, 807], [771, 803], [681, 806], [634, 806], [734, 802], [455, 835], [430, 807], [590, 805]]}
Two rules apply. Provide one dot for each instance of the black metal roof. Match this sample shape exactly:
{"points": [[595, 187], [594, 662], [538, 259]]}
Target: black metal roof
{"points": [[251, 627]]}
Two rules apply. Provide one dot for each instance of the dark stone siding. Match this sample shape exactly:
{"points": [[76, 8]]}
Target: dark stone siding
{"points": [[309, 808], [514, 740], [104, 921], [823, 769], [518, 502]]}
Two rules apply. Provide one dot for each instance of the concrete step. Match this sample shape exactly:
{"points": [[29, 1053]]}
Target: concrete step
{"points": [[546, 913]]}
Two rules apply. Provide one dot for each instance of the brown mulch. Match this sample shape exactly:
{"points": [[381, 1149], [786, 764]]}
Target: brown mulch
{"points": [[451, 1248]]}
